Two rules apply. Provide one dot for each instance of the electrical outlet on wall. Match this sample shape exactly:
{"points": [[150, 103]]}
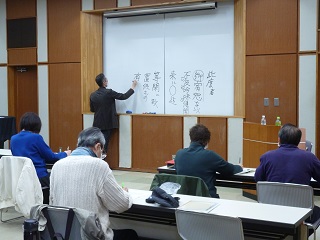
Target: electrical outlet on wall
{"points": [[266, 102]]}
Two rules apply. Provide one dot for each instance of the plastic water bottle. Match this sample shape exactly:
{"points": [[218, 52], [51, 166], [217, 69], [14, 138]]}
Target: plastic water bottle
{"points": [[278, 122], [30, 230], [263, 120]]}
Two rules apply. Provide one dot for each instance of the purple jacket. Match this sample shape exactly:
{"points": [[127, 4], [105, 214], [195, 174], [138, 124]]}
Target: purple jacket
{"points": [[288, 164]]}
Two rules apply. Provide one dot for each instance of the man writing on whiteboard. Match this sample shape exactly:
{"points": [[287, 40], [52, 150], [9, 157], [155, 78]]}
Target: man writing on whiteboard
{"points": [[102, 103]]}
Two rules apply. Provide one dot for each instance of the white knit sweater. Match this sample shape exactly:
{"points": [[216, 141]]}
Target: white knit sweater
{"points": [[88, 183]]}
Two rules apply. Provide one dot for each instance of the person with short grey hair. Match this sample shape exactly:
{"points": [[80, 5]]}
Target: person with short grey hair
{"points": [[289, 164], [91, 141], [83, 180]]}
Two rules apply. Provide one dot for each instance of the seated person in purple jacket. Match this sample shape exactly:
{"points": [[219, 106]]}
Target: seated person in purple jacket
{"points": [[197, 161], [29, 143], [289, 164]]}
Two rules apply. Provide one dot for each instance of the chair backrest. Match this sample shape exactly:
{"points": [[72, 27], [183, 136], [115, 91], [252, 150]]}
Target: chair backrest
{"points": [[308, 146], [19, 184], [203, 226], [189, 185], [58, 216], [286, 194]]}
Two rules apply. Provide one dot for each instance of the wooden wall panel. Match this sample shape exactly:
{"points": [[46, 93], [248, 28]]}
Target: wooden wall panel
{"points": [[218, 128], [26, 92], [22, 56], [113, 150], [64, 30], [104, 4], [11, 92], [239, 57], [65, 116], [272, 26], [148, 2], [154, 140], [91, 56], [257, 140], [271, 76], [21, 9]]}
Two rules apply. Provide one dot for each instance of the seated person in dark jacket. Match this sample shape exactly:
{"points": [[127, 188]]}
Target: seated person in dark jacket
{"points": [[197, 161], [289, 164]]}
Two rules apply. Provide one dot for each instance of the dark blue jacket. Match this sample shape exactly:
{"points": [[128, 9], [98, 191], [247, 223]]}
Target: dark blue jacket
{"points": [[199, 162], [288, 164]]}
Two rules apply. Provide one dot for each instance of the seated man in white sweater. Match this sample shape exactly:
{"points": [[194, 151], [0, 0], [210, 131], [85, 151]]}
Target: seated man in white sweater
{"points": [[83, 180]]}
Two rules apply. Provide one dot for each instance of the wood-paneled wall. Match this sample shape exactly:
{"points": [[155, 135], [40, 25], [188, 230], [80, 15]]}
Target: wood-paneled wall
{"points": [[239, 57], [91, 55], [154, 140], [156, 137], [258, 139], [271, 76], [272, 26], [26, 91], [65, 118], [64, 31], [65, 113], [65, 108], [148, 2], [21, 9], [22, 56], [104, 4], [218, 128], [271, 60]]}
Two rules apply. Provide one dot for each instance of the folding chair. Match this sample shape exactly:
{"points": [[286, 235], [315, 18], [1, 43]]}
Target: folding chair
{"points": [[61, 223], [287, 194], [19, 185], [206, 226]]}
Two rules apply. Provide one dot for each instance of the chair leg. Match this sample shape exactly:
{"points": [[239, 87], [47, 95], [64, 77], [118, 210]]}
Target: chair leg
{"points": [[10, 219], [314, 234]]}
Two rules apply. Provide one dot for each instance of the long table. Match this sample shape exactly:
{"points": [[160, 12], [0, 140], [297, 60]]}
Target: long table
{"points": [[244, 180], [156, 222]]}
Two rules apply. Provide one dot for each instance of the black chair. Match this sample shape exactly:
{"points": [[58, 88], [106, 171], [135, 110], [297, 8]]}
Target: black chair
{"points": [[308, 145]]}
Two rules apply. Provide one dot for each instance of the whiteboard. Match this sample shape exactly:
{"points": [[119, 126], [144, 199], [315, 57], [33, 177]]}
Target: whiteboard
{"points": [[183, 62], [134, 50]]}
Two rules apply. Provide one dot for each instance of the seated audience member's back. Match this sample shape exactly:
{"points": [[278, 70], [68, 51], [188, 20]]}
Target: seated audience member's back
{"points": [[83, 180], [197, 161], [289, 164], [29, 143]]}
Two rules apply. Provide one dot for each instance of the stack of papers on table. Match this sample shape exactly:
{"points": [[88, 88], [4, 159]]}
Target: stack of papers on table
{"points": [[199, 206], [246, 170]]}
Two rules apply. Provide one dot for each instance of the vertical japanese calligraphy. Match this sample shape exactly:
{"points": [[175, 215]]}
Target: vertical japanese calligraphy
{"points": [[183, 62]]}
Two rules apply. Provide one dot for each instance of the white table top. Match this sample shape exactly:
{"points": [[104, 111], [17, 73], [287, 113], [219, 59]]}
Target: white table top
{"points": [[245, 210], [5, 152]]}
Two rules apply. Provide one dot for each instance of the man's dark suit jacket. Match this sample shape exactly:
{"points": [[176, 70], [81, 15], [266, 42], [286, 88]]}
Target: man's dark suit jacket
{"points": [[102, 103]]}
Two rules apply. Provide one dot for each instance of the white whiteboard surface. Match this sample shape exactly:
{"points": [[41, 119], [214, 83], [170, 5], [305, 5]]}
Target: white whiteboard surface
{"points": [[199, 62], [184, 62], [134, 50]]}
